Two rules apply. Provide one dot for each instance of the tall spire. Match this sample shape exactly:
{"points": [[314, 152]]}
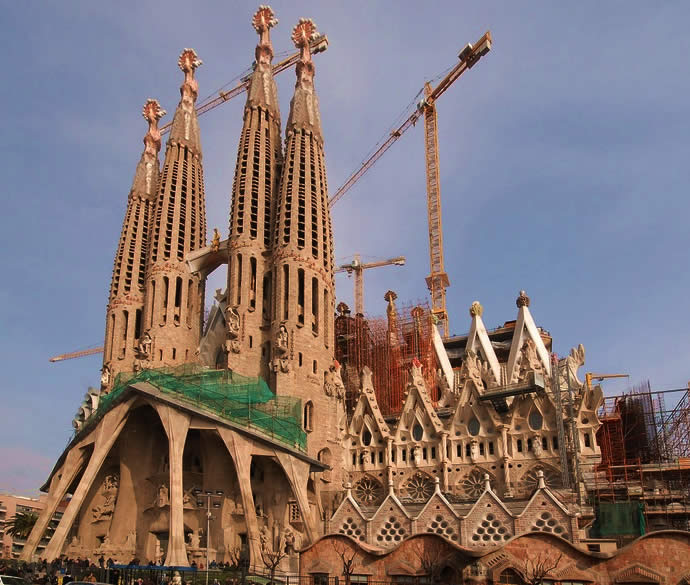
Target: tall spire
{"points": [[304, 107], [248, 314], [126, 302], [185, 125], [302, 256], [174, 298]]}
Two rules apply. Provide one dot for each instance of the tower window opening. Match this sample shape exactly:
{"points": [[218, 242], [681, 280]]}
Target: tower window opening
{"points": [[354, 459], [238, 293], [137, 324], [314, 202], [519, 445], [266, 297], [174, 353], [491, 447], [529, 444], [267, 187], [393, 455], [182, 223], [160, 355], [326, 318], [372, 456], [111, 336], [190, 298], [315, 305], [300, 296], [288, 194], [314, 367], [152, 306], [251, 340], [424, 453], [481, 449], [164, 315], [467, 450], [308, 416], [301, 188], [544, 443], [299, 358], [254, 208], [286, 291], [252, 284], [555, 443], [458, 450], [433, 452], [178, 300], [404, 454], [588, 440]]}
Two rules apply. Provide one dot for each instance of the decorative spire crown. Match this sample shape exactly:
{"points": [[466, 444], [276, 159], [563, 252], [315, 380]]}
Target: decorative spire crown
{"points": [[303, 34], [188, 62], [476, 309], [522, 300], [263, 21], [152, 112]]}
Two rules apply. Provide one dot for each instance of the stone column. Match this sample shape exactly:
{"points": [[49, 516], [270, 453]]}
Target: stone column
{"points": [[106, 433], [176, 425], [73, 464], [241, 453], [297, 472]]}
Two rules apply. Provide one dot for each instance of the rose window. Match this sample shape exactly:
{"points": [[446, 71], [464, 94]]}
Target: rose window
{"points": [[473, 484], [368, 492], [419, 488]]}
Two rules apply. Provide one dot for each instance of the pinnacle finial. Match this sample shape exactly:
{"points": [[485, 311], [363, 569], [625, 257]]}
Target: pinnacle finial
{"points": [[522, 300], [264, 19], [189, 61], [152, 111], [476, 309], [302, 34]]}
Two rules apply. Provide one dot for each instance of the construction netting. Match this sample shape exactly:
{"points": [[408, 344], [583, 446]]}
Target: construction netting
{"points": [[618, 518], [245, 401]]}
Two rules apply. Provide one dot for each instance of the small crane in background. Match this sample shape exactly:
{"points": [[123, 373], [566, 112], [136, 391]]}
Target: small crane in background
{"points": [[589, 376], [358, 268]]}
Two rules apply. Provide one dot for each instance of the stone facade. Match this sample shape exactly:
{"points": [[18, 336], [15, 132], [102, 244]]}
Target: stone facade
{"points": [[659, 557], [492, 458]]}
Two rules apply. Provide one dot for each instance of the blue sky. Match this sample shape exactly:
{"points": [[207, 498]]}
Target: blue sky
{"points": [[564, 172]]}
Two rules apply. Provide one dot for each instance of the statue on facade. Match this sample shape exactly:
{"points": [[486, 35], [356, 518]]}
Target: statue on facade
{"points": [[536, 447], [195, 539], [106, 499], [144, 346], [529, 359], [162, 496], [215, 242], [232, 317], [333, 382], [105, 376], [282, 339], [474, 450]]}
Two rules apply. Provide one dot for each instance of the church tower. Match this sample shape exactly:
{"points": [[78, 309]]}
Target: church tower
{"points": [[124, 314], [257, 172], [302, 356], [174, 297]]}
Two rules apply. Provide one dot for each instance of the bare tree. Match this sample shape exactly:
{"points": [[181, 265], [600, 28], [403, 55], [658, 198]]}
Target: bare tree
{"points": [[347, 557], [536, 569], [271, 560], [430, 556]]}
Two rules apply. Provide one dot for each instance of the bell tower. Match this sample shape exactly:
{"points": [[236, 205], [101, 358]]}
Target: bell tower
{"points": [[303, 299], [250, 280], [124, 314], [175, 297]]}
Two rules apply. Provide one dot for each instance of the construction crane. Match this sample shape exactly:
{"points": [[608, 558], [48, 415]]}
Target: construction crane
{"points": [[318, 45], [437, 281], [76, 354], [589, 376], [358, 268]]}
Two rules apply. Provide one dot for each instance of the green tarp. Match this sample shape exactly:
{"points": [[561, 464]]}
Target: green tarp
{"points": [[618, 519]]}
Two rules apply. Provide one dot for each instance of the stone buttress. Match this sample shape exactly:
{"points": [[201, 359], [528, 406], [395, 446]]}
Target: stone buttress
{"points": [[124, 315], [248, 313], [175, 297]]}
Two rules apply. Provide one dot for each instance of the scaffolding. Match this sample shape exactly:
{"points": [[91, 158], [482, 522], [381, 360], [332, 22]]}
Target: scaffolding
{"points": [[387, 346], [245, 401], [645, 459]]}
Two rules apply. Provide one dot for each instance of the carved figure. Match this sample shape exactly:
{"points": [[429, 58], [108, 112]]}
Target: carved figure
{"points": [[195, 539], [233, 320], [264, 539], [536, 447], [471, 369], [144, 347], [282, 339], [474, 450], [163, 496], [529, 359], [215, 242], [105, 376], [107, 498], [333, 383], [417, 456]]}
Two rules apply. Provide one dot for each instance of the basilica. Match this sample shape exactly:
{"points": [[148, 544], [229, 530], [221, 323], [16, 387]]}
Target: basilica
{"points": [[255, 410]]}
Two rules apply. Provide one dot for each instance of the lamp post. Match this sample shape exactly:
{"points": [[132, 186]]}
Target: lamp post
{"points": [[207, 495]]}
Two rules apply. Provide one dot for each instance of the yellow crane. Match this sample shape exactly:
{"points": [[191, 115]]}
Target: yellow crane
{"points": [[76, 354], [437, 281], [358, 267], [589, 376]]}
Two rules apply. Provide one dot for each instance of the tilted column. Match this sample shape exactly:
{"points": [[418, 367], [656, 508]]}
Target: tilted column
{"points": [[73, 464], [297, 473], [108, 431], [176, 425], [240, 451]]}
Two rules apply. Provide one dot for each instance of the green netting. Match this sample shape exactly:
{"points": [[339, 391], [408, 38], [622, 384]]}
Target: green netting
{"points": [[245, 401], [618, 518]]}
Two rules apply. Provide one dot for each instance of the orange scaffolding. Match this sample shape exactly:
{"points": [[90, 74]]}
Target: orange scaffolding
{"points": [[387, 345]]}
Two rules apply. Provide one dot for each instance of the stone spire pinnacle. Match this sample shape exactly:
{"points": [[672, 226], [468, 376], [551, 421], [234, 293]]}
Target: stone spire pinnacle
{"points": [[304, 107], [185, 126], [146, 176], [262, 88]]}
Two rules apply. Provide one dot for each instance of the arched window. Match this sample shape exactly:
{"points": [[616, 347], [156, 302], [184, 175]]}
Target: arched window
{"points": [[510, 577], [308, 420]]}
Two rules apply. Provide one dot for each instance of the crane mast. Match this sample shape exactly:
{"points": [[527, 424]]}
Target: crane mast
{"points": [[437, 281], [358, 268]]}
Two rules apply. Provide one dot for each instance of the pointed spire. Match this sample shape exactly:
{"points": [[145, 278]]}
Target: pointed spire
{"points": [[262, 89], [185, 126], [304, 107], [146, 175]]}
